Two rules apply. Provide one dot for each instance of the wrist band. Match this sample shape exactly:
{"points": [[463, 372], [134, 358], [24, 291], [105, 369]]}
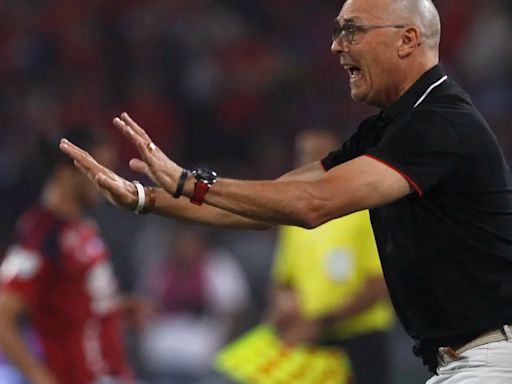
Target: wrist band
{"points": [[181, 183], [151, 199], [141, 197]]}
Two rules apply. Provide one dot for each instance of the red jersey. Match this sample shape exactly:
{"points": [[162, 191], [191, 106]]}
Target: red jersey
{"points": [[61, 269]]}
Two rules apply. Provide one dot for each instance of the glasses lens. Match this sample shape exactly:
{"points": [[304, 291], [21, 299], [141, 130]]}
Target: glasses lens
{"points": [[347, 32]]}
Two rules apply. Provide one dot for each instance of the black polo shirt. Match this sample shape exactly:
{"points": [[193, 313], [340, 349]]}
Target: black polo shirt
{"points": [[446, 250]]}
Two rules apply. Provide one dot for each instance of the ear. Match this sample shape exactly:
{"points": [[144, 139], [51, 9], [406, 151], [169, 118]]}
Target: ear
{"points": [[409, 41]]}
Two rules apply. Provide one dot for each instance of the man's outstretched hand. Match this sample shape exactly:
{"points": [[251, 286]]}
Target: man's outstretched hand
{"points": [[117, 190], [153, 163]]}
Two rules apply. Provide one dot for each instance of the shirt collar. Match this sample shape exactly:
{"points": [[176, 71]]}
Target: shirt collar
{"points": [[433, 77]]}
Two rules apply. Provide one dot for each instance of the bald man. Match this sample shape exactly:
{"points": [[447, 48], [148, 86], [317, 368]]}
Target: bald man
{"points": [[427, 166]]}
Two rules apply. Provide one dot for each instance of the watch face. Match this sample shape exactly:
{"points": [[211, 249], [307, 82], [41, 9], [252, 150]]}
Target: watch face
{"points": [[205, 174]]}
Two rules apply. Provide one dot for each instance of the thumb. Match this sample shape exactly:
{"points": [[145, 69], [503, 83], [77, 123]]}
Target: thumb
{"points": [[138, 165], [108, 184]]}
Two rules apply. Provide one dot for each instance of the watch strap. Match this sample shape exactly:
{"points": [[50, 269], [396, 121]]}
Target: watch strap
{"points": [[201, 188], [151, 200]]}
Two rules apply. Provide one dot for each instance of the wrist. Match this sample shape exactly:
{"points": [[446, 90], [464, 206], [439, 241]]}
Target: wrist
{"points": [[328, 320], [204, 180], [145, 198], [180, 185]]}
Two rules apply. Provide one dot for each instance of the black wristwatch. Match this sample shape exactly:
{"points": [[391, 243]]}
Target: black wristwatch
{"points": [[205, 178]]}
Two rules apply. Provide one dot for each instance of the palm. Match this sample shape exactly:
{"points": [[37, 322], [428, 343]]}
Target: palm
{"points": [[116, 189]]}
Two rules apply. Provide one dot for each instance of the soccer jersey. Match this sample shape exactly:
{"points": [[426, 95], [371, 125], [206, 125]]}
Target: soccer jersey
{"points": [[328, 265], [62, 271]]}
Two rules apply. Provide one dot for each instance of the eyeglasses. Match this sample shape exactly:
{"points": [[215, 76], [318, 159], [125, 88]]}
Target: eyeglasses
{"points": [[350, 31]]}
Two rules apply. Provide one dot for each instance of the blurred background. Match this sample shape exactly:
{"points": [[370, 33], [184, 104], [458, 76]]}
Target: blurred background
{"points": [[223, 83]]}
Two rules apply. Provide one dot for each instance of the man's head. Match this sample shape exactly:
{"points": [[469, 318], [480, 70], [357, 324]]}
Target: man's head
{"points": [[62, 178], [386, 45], [313, 145]]}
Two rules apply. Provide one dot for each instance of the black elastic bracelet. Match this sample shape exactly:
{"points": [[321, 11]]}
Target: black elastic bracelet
{"points": [[181, 183]]}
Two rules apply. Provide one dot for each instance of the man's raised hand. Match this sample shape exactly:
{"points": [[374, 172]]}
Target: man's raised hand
{"points": [[153, 162], [117, 190]]}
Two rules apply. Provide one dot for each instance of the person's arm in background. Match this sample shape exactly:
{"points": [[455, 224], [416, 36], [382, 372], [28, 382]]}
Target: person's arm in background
{"points": [[283, 306], [374, 289], [12, 307], [294, 328], [285, 309]]}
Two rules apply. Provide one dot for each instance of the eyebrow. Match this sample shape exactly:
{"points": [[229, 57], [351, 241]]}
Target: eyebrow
{"points": [[347, 20]]}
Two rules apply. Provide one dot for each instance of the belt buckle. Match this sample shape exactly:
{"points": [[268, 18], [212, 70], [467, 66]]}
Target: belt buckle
{"points": [[446, 355]]}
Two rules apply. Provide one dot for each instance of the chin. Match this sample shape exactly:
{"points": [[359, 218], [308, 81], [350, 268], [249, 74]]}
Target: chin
{"points": [[358, 96]]}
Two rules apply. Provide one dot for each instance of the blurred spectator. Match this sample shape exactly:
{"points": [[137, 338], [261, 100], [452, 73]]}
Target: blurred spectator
{"points": [[328, 283], [202, 294], [58, 273]]}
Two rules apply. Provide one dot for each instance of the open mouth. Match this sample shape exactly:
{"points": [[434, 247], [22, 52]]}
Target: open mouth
{"points": [[353, 70]]}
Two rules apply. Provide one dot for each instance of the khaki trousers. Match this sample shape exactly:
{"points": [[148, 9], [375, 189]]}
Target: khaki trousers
{"points": [[486, 364]]}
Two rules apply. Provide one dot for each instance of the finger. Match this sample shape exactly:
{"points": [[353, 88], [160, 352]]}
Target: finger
{"points": [[130, 134], [79, 156], [142, 167], [136, 127], [83, 170], [140, 143], [109, 184], [138, 165], [70, 149]]}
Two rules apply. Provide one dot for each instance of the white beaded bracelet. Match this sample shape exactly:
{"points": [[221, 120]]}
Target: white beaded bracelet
{"points": [[141, 197]]}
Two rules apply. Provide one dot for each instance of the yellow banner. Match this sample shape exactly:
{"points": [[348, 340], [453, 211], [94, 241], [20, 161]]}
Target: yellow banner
{"points": [[259, 357]]}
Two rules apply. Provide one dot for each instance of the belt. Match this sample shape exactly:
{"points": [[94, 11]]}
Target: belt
{"points": [[446, 355]]}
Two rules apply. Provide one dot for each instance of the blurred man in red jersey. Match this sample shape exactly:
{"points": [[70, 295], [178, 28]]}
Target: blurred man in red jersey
{"points": [[58, 273]]}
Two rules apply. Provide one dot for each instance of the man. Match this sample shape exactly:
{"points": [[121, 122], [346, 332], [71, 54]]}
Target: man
{"points": [[327, 282], [58, 273], [427, 166]]}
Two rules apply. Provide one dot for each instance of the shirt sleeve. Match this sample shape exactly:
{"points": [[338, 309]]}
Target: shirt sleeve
{"points": [[352, 148], [425, 149], [22, 271]]}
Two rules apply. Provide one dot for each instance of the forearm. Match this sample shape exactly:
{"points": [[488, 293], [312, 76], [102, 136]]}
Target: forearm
{"points": [[374, 290], [15, 348], [272, 202], [183, 209], [212, 215], [305, 201]]}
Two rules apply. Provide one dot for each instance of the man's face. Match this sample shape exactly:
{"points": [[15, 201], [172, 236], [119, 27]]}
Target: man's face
{"points": [[372, 60]]}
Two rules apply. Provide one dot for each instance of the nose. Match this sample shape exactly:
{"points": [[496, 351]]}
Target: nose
{"points": [[339, 46]]}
